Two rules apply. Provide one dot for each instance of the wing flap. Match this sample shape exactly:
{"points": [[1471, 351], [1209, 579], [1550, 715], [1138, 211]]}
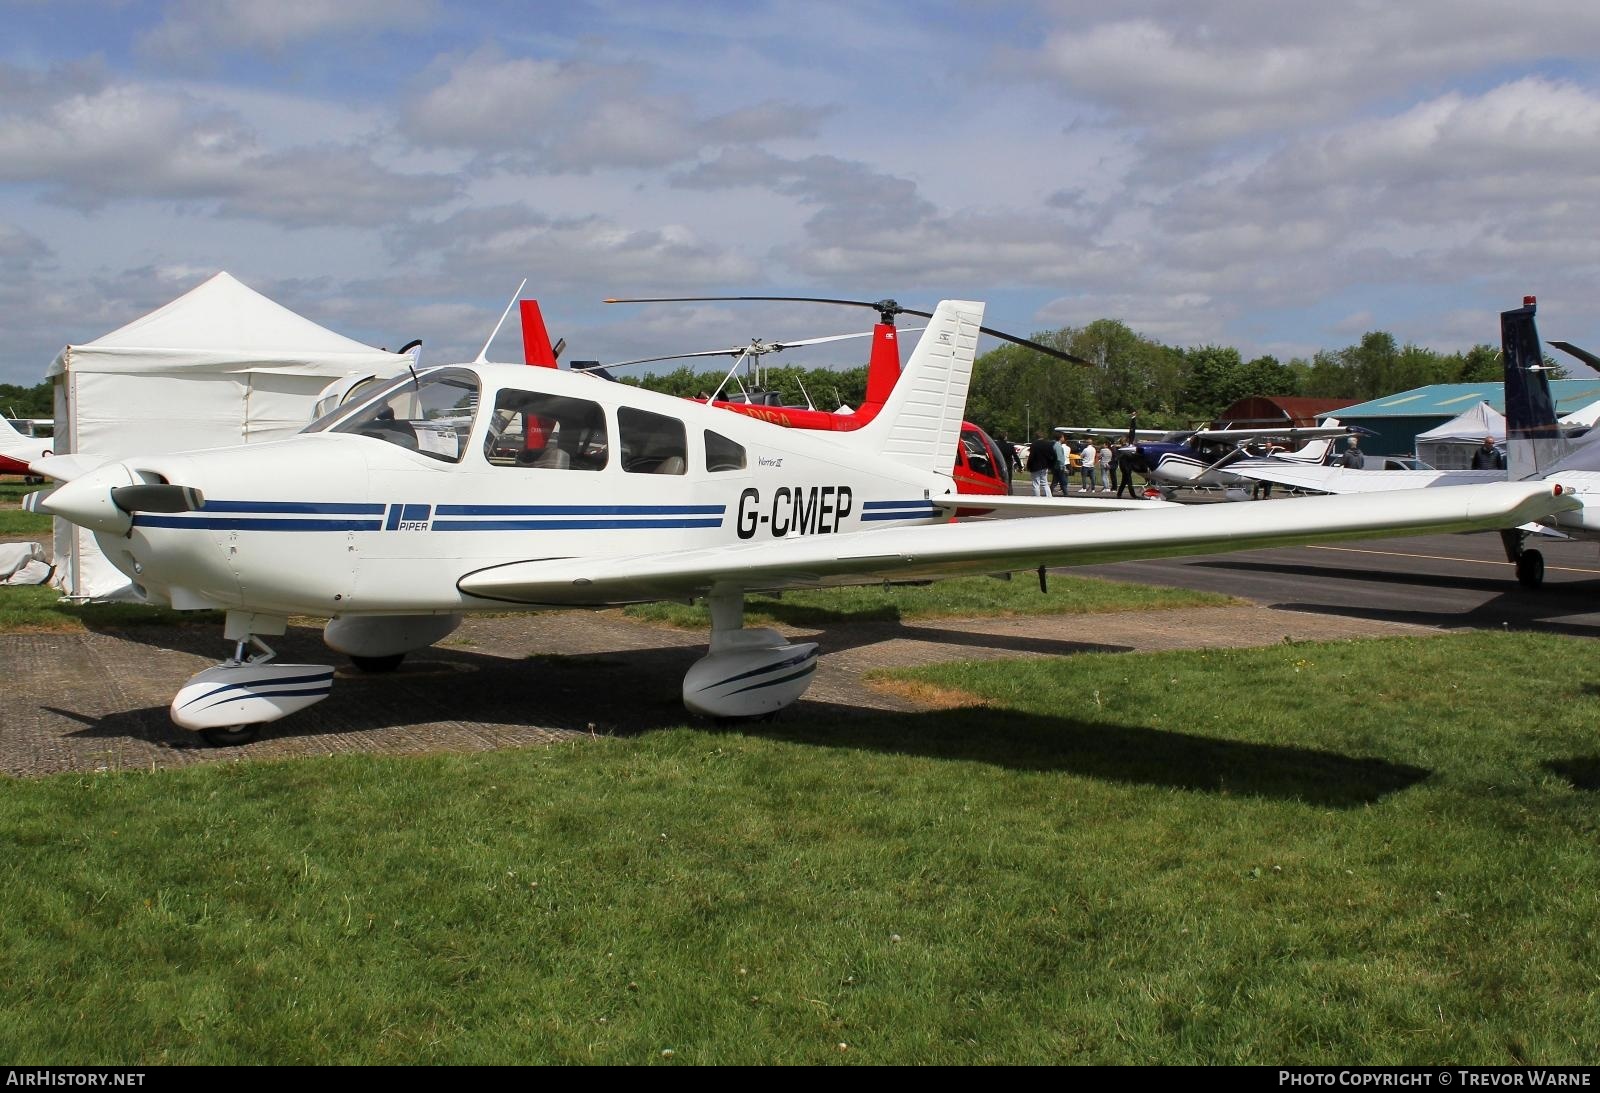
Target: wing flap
{"points": [[989, 546]]}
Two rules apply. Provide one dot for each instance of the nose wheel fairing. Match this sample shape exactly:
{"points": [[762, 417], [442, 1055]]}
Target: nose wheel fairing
{"points": [[225, 702]]}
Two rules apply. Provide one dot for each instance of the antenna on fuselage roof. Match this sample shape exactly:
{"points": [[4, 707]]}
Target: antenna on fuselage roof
{"points": [[483, 354]]}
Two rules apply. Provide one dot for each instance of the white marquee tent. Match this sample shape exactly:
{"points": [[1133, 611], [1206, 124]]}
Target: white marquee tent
{"points": [[1450, 446], [218, 366]]}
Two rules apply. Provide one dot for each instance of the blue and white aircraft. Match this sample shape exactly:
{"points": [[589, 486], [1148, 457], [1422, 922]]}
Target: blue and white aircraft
{"points": [[483, 487]]}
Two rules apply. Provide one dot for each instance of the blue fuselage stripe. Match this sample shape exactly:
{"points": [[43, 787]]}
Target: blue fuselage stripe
{"points": [[323, 508], [581, 510], [245, 523], [567, 525]]}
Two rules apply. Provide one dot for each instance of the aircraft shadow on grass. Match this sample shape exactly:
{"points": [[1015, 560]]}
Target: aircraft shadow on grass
{"points": [[632, 692], [1582, 771], [1134, 755]]}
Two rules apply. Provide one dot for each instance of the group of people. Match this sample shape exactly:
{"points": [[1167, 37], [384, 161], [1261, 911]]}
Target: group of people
{"points": [[1101, 469]]}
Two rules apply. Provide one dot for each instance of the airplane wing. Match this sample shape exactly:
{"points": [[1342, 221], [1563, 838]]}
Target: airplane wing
{"points": [[1348, 480], [1014, 507], [1139, 434], [988, 547], [64, 468], [1288, 432]]}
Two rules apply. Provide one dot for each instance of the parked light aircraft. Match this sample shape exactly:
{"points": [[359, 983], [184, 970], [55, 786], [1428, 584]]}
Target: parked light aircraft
{"points": [[394, 515], [17, 449], [1539, 445], [1188, 458]]}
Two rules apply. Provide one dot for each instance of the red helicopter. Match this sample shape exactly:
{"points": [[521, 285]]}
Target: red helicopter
{"points": [[981, 468]]}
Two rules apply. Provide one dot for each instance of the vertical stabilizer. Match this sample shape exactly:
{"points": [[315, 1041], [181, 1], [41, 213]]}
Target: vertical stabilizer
{"points": [[1534, 440], [920, 423]]}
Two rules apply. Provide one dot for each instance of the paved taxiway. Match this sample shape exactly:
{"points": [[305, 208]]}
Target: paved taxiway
{"points": [[1447, 581]]}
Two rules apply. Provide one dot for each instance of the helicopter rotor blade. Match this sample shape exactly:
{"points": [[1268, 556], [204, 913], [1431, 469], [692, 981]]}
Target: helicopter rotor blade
{"points": [[757, 347], [887, 309]]}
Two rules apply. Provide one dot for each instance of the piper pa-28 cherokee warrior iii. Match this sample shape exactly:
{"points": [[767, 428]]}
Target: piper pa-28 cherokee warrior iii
{"points": [[394, 515]]}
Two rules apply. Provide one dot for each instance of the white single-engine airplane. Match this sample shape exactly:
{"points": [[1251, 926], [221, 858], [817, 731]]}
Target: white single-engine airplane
{"points": [[394, 515]]}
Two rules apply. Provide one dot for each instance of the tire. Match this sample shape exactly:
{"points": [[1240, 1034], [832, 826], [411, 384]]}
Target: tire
{"points": [[378, 665], [1530, 569], [230, 736]]}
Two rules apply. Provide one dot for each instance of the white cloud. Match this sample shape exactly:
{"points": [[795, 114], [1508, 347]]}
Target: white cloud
{"points": [[500, 242], [542, 115], [1209, 72], [20, 249], [191, 30], [88, 146]]}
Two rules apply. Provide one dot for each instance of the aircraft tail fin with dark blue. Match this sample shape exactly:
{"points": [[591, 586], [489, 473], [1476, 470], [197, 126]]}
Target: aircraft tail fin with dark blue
{"points": [[1534, 440]]}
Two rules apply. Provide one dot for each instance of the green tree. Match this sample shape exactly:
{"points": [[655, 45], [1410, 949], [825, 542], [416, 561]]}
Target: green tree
{"points": [[36, 401]]}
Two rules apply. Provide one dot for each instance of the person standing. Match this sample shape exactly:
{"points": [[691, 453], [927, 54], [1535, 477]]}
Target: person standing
{"points": [[1353, 459], [1041, 458], [1087, 465], [1130, 461], [1487, 458], [1063, 452]]}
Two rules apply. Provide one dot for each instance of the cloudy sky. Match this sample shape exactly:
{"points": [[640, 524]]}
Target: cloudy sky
{"points": [[1278, 176]]}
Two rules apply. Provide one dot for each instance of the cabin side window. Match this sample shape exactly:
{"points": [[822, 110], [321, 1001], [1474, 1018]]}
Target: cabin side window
{"points": [[546, 432], [652, 443], [723, 454], [431, 415]]}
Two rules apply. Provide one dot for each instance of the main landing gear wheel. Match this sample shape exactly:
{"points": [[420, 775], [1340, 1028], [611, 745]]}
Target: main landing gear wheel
{"points": [[1530, 568], [378, 665], [231, 736]]}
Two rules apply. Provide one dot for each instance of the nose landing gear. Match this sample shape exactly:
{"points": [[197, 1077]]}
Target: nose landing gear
{"points": [[227, 704]]}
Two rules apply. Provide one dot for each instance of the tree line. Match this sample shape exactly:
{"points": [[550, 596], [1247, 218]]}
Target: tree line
{"points": [[17, 401], [1020, 391]]}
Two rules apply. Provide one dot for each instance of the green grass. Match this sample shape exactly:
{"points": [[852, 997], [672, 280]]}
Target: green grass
{"points": [[1372, 852], [959, 598], [17, 522], [39, 607], [13, 490], [13, 521]]}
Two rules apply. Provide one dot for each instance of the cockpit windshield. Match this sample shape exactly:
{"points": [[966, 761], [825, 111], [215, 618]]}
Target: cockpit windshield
{"points": [[431, 414]]}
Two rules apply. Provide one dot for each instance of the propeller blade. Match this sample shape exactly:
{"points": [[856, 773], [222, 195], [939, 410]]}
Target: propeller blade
{"points": [[887, 309], [156, 497]]}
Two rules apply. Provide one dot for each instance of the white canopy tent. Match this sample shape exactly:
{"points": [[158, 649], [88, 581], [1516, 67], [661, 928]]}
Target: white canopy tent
{"points": [[218, 366], [1450, 446]]}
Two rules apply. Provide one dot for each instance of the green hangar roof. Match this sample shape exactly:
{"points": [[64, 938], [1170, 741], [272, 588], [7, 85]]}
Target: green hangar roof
{"points": [[1449, 399]]}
